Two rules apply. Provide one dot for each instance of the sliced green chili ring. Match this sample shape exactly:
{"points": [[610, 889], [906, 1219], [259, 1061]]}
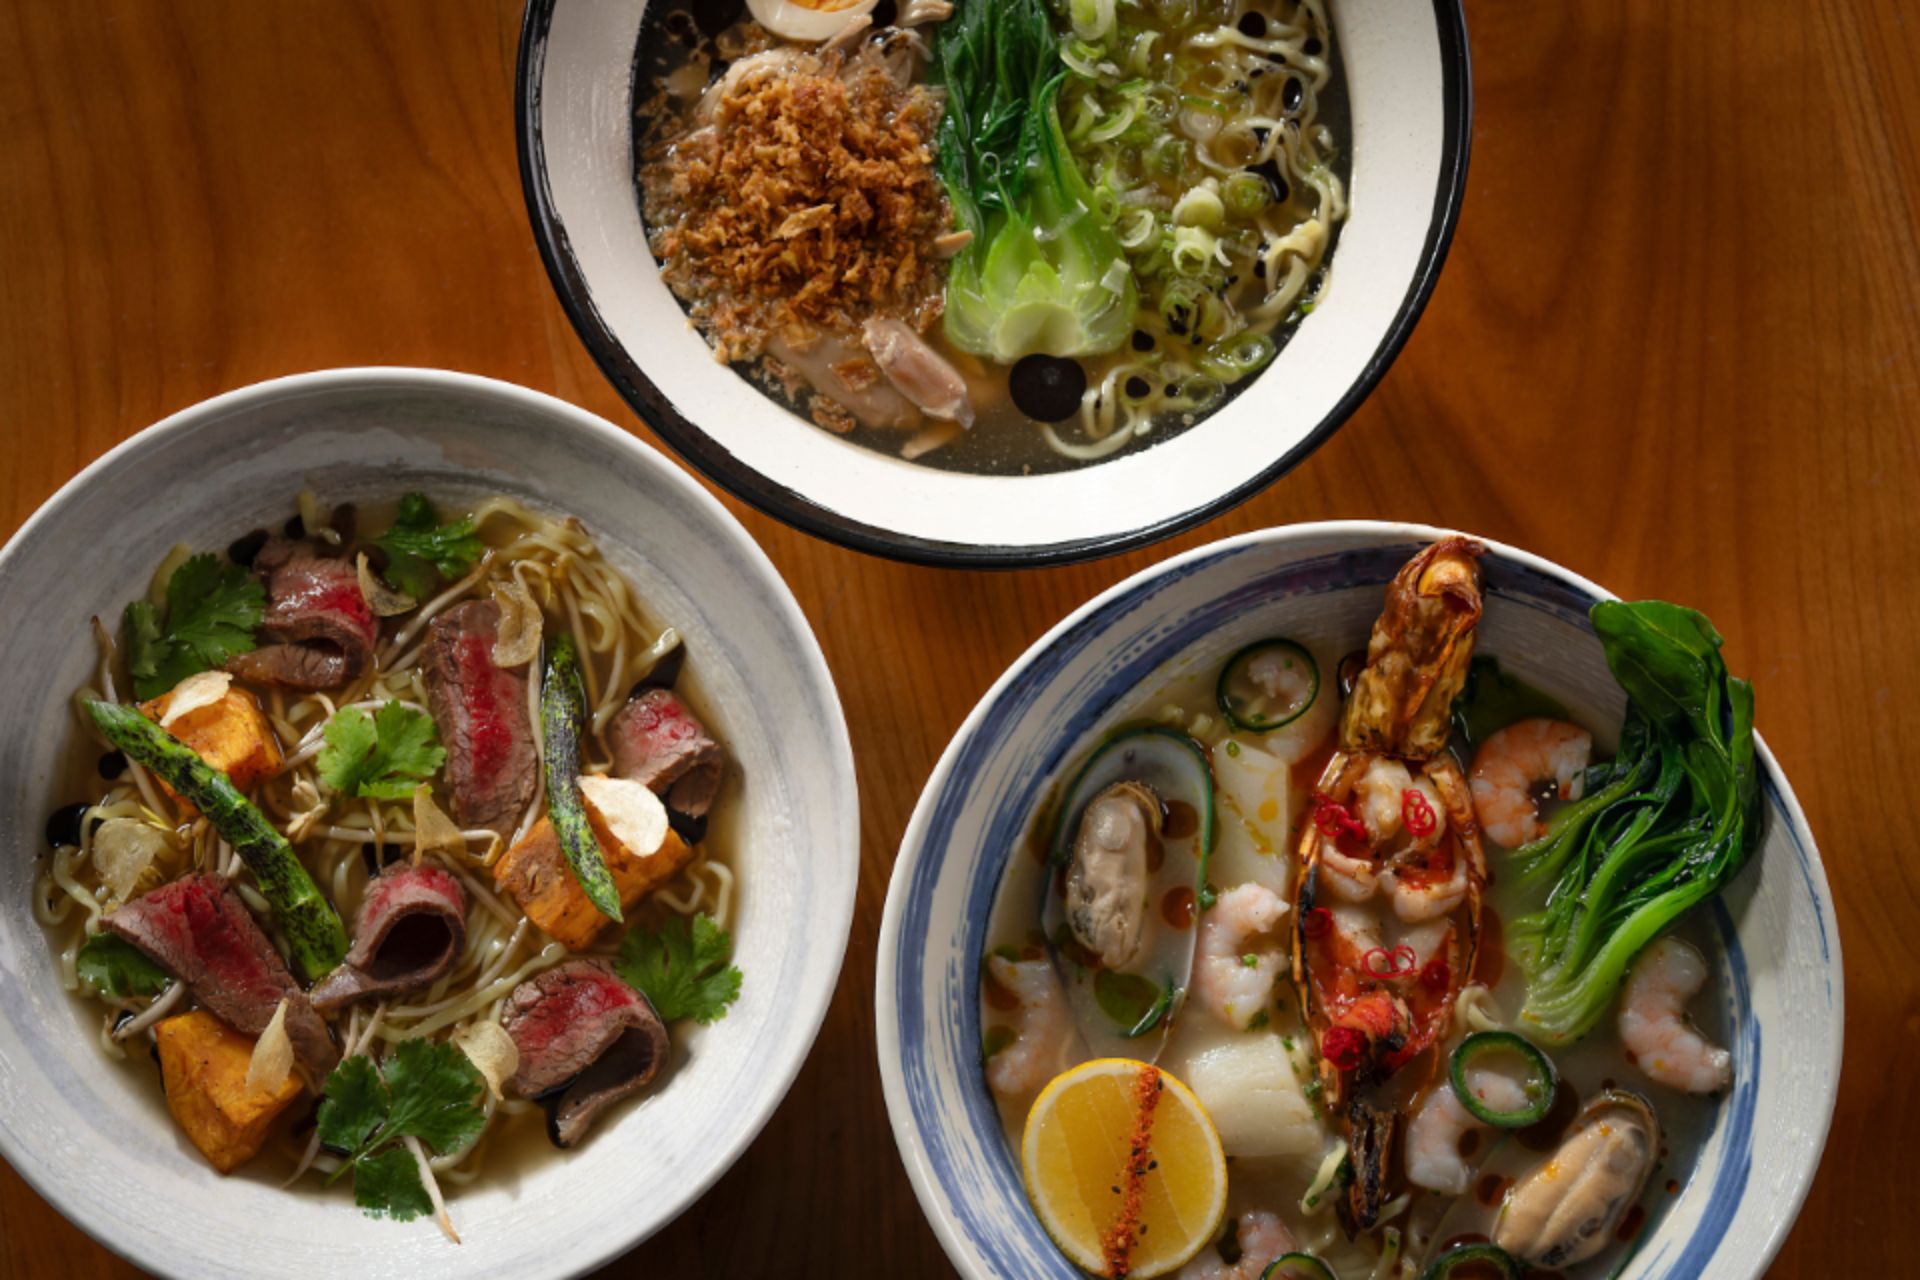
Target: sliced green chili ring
{"points": [[1540, 1083], [1243, 702], [1298, 1266], [1490, 1254], [1232, 359]]}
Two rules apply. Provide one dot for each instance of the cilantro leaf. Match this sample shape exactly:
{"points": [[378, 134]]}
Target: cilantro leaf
{"points": [[354, 1102], [212, 612], [418, 546], [685, 974], [113, 966], [381, 756], [388, 1186], [434, 1087], [421, 1090]]}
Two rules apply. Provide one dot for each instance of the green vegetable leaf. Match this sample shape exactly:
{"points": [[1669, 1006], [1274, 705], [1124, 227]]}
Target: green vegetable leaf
{"points": [[1044, 271], [685, 974], [418, 547], [112, 966], [355, 1101], [388, 1186], [212, 612], [435, 1087], [383, 756]]}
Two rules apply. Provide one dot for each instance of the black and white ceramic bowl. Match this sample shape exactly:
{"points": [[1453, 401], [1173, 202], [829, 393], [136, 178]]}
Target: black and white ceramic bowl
{"points": [[1409, 89]]}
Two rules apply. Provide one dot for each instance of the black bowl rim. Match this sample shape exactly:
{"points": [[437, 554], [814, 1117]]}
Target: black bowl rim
{"points": [[705, 455]]}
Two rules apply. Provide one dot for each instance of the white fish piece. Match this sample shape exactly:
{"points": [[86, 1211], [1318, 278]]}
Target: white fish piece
{"points": [[1246, 1082]]}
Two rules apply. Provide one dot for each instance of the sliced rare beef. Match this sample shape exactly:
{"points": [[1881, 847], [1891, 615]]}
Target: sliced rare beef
{"points": [[662, 745], [320, 628], [586, 1040], [197, 929], [410, 929], [481, 712]]}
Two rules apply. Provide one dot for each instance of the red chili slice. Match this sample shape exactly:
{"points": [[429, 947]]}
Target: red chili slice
{"points": [[1337, 823], [1416, 814]]}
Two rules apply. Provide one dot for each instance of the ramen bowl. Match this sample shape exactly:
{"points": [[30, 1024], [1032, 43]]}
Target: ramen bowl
{"points": [[1408, 89], [94, 1138], [1772, 931]]}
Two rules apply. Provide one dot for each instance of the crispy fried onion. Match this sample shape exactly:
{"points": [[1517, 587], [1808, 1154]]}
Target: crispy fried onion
{"points": [[518, 642], [193, 693], [272, 1059], [381, 598], [433, 830], [492, 1052], [132, 856]]}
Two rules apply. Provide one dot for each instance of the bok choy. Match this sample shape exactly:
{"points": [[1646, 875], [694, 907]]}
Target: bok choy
{"points": [[1044, 272], [1662, 827]]}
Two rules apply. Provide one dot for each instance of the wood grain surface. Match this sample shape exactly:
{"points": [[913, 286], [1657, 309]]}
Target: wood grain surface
{"points": [[1674, 349]]}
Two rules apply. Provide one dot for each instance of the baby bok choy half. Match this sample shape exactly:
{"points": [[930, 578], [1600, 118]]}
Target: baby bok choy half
{"points": [[1662, 827], [1044, 272]]}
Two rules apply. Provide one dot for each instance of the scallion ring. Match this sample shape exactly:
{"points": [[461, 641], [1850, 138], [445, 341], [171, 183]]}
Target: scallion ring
{"points": [[1540, 1083], [1257, 705], [1298, 1266], [1487, 1254]]}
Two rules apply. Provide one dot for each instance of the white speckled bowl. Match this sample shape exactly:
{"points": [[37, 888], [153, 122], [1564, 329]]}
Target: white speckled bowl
{"points": [[1409, 87], [94, 1140], [1778, 952]]}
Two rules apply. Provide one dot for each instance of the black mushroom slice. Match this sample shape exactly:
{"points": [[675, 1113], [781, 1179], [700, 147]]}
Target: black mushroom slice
{"points": [[410, 930], [586, 1040], [659, 743], [482, 714], [197, 929], [319, 628]]}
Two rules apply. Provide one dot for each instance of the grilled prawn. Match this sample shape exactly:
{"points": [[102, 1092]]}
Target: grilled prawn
{"points": [[1388, 903]]}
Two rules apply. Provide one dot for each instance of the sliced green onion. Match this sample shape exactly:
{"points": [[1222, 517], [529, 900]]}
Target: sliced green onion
{"points": [[1167, 156], [1195, 102], [1298, 1266], [1247, 705], [1114, 125], [1490, 1254], [1232, 359], [1247, 193], [1540, 1083]]}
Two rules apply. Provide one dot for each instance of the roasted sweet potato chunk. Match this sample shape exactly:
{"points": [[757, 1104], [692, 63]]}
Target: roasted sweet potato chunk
{"points": [[535, 872], [232, 735], [203, 1063]]}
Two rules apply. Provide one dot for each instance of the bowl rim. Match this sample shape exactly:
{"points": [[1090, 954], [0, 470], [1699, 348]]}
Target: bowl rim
{"points": [[1329, 534], [753, 559], [783, 503]]}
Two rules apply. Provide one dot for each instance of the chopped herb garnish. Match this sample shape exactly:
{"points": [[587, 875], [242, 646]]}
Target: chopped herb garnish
{"points": [[683, 972], [429, 1092], [112, 966], [418, 547], [210, 616], [382, 756]]}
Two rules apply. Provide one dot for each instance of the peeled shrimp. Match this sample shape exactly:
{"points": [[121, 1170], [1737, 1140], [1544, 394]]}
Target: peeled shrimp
{"points": [[1042, 1027], [1263, 1237], [1433, 1135], [1232, 977], [1654, 1026], [1378, 798], [1513, 762], [1416, 900]]}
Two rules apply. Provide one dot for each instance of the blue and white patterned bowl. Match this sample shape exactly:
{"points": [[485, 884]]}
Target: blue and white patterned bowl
{"points": [[1322, 584]]}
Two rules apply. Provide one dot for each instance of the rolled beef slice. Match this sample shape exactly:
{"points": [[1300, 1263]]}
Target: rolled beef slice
{"points": [[197, 929], [409, 931], [585, 1037], [321, 628], [659, 743], [481, 712]]}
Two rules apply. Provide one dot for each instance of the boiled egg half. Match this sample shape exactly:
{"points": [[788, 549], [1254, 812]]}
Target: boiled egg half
{"points": [[809, 20]]}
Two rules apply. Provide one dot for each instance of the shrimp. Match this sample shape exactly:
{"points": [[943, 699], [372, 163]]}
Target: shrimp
{"points": [[1262, 1237], [1434, 1135], [1378, 798], [1043, 1027], [1654, 1027], [1232, 976], [1516, 760]]}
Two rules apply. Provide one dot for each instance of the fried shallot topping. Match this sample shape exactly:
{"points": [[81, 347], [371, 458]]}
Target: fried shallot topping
{"points": [[800, 198]]}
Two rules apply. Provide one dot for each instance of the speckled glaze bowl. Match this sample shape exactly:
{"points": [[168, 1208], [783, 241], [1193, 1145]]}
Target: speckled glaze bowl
{"points": [[97, 1142], [1410, 92], [1777, 952]]}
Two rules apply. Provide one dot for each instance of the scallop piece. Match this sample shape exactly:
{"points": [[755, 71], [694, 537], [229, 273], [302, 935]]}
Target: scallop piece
{"points": [[811, 20], [1566, 1210]]}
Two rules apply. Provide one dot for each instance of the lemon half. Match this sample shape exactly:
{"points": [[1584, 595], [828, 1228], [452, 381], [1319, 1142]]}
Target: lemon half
{"points": [[1124, 1168]]}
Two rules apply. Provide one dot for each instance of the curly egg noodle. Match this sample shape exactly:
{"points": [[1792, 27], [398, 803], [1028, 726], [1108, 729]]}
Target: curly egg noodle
{"points": [[557, 564]]}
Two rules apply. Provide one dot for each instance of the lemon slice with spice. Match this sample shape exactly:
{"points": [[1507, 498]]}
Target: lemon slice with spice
{"points": [[1124, 1168]]}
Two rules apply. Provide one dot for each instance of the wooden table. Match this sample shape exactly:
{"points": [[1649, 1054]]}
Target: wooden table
{"points": [[1674, 349]]}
